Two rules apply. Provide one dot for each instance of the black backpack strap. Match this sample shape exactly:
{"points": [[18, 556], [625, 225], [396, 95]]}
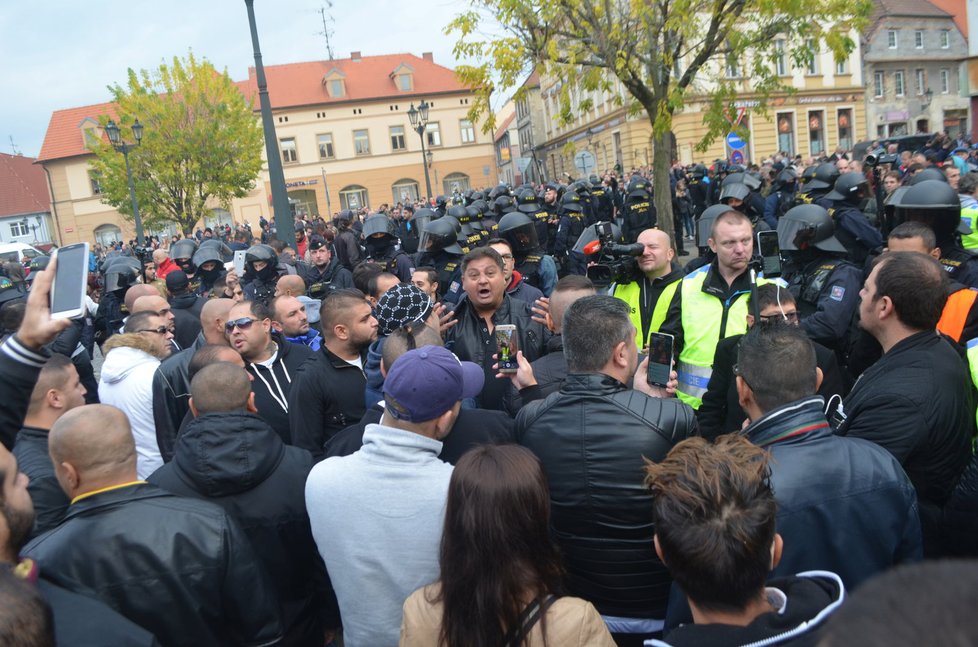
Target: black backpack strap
{"points": [[527, 620]]}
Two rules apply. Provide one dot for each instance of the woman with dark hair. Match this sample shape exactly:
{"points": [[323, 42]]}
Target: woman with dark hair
{"points": [[500, 571]]}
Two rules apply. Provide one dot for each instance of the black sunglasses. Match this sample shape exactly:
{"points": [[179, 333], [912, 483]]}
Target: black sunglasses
{"points": [[162, 330], [242, 324]]}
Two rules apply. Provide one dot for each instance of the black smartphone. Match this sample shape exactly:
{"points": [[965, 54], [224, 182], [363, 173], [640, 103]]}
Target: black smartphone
{"points": [[770, 252], [660, 358], [70, 281]]}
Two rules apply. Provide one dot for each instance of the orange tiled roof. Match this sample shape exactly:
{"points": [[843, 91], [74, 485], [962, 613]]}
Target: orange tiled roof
{"points": [[501, 130], [289, 85], [23, 188]]}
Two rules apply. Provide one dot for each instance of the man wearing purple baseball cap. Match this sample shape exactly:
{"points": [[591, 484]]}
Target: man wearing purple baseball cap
{"points": [[377, 514]]}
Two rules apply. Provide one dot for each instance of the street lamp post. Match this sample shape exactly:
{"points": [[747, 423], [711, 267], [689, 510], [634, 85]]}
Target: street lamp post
{"points": [[419, 121], [115, 137], [284, 223]]}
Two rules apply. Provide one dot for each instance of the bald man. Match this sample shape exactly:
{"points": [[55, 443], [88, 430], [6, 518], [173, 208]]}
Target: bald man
{"points": [[649, 290], [180, 568], [268, 497], [290, 285], [136, 291], [171, 383], [157, 305]]}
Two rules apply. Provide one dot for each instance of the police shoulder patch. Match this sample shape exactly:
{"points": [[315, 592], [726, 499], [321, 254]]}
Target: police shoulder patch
{"points": [[838, 292]]}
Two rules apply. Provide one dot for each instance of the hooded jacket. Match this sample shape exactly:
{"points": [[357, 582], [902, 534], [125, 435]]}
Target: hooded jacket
{"points": [[234, 459], [802, 602], [127, 383], [272, 386]]}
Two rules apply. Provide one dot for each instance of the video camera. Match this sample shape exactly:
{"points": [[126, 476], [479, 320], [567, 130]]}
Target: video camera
{"points": [[616, 263], [879, 156]]}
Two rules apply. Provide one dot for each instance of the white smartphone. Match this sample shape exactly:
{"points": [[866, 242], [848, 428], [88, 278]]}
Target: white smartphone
{"points": [[239, 262], [70, 281]]}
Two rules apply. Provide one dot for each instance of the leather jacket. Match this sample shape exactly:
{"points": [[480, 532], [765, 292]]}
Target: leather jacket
{"points": [[180, 568], [592, 437], [466, 338]]}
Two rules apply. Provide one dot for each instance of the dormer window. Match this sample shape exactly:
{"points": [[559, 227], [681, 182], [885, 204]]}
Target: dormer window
{"points": [[403, 77], [336, 88], [335, 85], [404, 82]]}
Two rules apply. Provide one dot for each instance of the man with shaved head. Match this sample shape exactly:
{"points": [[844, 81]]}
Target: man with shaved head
{"points": [[179, 567], [171, 383], [290, 285], [293, 285], [257, 479], [289, 318], [157, 305], [650, 289]]}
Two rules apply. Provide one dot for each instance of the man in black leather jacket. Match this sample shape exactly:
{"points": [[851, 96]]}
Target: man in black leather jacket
{"points": [[484, 306], [593, 437], [844, 504], [179, 567]]}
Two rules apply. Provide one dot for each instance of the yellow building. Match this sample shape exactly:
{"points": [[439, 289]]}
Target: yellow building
{"points": [[343, 132], [826, 111]]}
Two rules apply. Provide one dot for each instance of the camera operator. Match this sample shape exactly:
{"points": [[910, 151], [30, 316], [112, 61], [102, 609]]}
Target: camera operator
{"points": [[650, 289]]}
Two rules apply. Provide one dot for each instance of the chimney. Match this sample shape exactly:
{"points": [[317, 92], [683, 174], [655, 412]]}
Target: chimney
{"points": [[428, 57], [355, 57]]}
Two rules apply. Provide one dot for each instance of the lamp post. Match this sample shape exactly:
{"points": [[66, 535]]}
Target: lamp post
{"points": [[419, 121], [925, 100], [284, 223], [115, 137]]}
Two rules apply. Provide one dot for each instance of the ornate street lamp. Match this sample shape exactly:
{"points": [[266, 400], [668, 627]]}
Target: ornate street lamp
{"points": [[115, 138], [926, 99], [419, 121]]}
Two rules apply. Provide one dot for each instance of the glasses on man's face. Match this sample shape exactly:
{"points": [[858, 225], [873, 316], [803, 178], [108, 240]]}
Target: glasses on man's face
{"points": [[162, 330], [791, 317], [241, 324]]}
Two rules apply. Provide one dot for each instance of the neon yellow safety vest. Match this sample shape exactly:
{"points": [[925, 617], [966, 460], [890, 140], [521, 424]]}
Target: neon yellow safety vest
{"points": [[631, 293], [970, 217], [702, 318], [973, 363]]}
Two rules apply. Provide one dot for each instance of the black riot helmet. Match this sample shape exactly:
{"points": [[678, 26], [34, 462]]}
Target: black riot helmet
{"points": [[518, 230], [380, 224], [824, 177], [737, 190], [121, 273], [929, 173], [212, 250], [807, 226], [752, 182], [808, 174], [851, 187], [787, 177], [9, 291], [38, 265], [502, 205], [441, 201], [460, 213], [261, 254], [699, 172], [932, 203], [571, 203], [527, 201], [422, 217], [440, 235], [704, 224], [182, 253], [467, 197], [638, 187], [498, 190]]}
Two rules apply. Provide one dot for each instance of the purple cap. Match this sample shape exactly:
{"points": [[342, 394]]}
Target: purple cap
{"points": [[426, 382]]}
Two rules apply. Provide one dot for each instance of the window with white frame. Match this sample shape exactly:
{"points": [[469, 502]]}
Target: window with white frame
{"points": [[786, 132], [779, 64], [19, 228], [732, 68], [842, 67], [945, 81], [812, 67], [918, 39], [816, 132], [891, 39], [433, 132], [468, 131], [945, 38], [919, 80], [397, 138], [95, 180], [289, 154], [361, 142], [325, 143], [844, 122], [898, 83], [878, 87]]}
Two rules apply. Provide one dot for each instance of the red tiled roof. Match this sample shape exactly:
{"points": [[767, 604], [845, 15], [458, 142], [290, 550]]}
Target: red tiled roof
{"points": [[914, 8], [504, 126], [289, 85], [64, 138], [532, 81], [23, 188], [366, 79]]}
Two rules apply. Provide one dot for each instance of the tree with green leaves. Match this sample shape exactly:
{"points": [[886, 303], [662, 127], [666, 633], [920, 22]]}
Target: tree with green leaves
{"points": [[201, 143], [664, 53]]}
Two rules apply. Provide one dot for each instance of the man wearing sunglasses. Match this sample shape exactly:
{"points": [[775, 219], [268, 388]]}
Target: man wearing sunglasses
{"points": [[272, 361]]}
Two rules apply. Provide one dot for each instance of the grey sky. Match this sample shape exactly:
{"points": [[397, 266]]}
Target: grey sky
{"points": [[62, 54]]}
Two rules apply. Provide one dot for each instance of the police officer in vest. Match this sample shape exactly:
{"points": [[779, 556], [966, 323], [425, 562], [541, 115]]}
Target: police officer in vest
{"points": [[527, 202], [852, 228], [441, 205], [936, 204], [602, 207], [824, 283], [537, 268], [570, 227], [782, 196], [711, 304], [209, 259], [652, 286], [823, 179], [323, 272], [699, 189], [967, 192], [639, 212], [121, 273], [438, 248], [380, 240]]}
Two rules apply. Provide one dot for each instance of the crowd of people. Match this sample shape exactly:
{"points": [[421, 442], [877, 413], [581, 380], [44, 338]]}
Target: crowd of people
{"points": [[434, 424]]}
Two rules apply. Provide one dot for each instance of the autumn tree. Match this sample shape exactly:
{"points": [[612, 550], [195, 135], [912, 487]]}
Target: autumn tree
{"points": [[201, 143], [662, 51]]}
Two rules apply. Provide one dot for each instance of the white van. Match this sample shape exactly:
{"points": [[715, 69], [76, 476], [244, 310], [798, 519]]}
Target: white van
{"points": [[18, 252]]}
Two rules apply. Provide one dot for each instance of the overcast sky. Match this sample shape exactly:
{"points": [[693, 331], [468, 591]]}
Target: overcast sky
{"points": [[64, 53]]}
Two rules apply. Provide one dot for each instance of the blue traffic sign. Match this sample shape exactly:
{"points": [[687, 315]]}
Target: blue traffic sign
{"points": [[735, 142], [736, 157]]}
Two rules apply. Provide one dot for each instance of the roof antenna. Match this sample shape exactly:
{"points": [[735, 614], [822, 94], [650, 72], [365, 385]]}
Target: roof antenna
{"points": [[327, 32], [13, 146]]}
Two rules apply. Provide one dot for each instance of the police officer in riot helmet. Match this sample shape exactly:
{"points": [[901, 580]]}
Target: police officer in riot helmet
{"points": [[703, 226], [782, 196], [573, 221], [527, 202], [182, 253], [536, 267], [323, 272], [844, 203], [602, 206], [441, 205], [583, 190], [823, 179], [699, 189], [739, 191], [438, 248], [824, 282], [503, 204], [468, 236], [209, 259], [639, 212], [935, 204], [121, 273], [262, 269], [380, 240]]}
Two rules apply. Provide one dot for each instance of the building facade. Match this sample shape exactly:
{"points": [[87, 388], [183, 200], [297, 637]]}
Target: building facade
{"points": [[530, 128], [25, 209], [914, 65], [507, 145], [343, 132]]}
